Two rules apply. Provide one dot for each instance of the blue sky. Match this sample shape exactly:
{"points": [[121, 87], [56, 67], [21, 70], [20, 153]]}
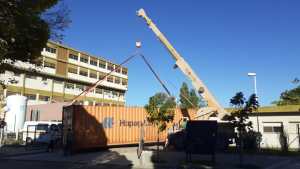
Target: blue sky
{"points": [[221, 40]]}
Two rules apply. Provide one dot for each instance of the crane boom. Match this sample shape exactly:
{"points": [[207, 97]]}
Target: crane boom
{"points": [[213, 105]]}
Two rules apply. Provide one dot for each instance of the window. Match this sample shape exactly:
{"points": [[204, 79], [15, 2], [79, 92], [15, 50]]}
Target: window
{"points": [[49, 65], [107, 93], [110, 67], [44, 79], [272, 129], [69, 86], [31, 96], [115, 94], [110, 79], [35, 115], [101, 76], [294, 127], [58, 82], [44, 98], [124, 82], [72, 70], [277, 129], [43, 127], [117, 69], [268, 129], [99, 91], [102, 64], [51, 50], [93, 62], [84, 59], [117, 80], [72, 56], [124, 71], [80, 87], [83, 73], [17, 74], [8, 93], [93, 75], [57, 98], [31, 76]]}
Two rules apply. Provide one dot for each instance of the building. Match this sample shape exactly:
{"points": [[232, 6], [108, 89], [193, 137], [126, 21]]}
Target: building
{"points": [[272, 122], [276, 121], [65, 73]]}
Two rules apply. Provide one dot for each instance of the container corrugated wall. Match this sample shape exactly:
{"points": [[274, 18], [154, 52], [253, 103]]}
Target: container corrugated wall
{"points": [[99, 126]]}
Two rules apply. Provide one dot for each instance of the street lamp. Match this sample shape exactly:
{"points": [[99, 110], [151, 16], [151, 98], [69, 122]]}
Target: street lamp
{"points": [[254, 79], [252, 74]]}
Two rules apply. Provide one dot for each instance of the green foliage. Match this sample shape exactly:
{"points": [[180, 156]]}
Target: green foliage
{"points": [[252, 140], [160, 109], [184, 94], [25, 27], [241, 111], [239, 118], [194, 98], [188, 98], [289, 97]]}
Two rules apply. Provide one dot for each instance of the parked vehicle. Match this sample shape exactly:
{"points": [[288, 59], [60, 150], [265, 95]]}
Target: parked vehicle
{"points": [[39, 131]]}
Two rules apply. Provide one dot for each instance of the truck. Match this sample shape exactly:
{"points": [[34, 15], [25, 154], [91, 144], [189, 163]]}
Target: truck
{"points": [[213, 110]]}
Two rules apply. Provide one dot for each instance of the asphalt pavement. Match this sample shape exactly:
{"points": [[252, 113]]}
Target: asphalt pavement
{"points": [[126, 158]]}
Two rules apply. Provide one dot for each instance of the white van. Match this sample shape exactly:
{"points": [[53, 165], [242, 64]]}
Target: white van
{"points": [[37, 130]]}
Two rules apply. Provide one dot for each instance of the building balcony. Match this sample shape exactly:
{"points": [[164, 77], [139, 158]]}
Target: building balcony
{"points": [[92, 80], [48, 54]]}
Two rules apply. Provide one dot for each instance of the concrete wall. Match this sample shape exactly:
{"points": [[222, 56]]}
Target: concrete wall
{"points": [[48, 112], [270, 139]]}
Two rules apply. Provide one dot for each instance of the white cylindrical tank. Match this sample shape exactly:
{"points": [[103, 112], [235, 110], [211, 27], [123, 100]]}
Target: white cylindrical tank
{"points": [[16, 112]]}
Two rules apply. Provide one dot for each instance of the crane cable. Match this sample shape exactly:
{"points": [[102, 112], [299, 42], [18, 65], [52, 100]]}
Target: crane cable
{"points": [[118, 68], [162, 83], [155, 74]]}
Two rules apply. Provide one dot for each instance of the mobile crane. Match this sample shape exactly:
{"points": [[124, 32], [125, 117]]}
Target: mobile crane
{"points": [[212, 105]]}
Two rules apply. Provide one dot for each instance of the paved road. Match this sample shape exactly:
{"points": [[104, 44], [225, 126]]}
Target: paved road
{"points": [[293, 163], [25, 164], [126, 158], [21, 164]]}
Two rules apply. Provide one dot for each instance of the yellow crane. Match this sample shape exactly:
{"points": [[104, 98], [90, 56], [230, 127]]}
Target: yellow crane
{"points": [[212, 105]]}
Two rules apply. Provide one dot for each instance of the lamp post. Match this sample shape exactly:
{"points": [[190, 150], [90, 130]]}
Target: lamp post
{"points": [[252, 74]]}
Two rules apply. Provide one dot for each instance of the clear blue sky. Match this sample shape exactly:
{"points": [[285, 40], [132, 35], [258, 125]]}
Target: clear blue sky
{"points": [[222, 41]]}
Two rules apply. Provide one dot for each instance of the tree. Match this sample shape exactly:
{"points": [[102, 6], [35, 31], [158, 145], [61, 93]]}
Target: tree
{"points": [[240, 115], [160, 110], [188, 98], [26, 27], [194, 98], [289, 97]]}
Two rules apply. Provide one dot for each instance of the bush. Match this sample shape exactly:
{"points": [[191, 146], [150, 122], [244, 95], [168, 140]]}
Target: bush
{"points": [[252, 140]]}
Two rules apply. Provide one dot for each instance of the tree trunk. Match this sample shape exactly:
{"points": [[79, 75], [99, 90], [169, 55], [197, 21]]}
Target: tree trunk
{"points": [[241, 148], [157, 148]]}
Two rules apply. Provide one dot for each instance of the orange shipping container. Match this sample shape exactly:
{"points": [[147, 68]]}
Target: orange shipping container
{"points": [[98, 126]]}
